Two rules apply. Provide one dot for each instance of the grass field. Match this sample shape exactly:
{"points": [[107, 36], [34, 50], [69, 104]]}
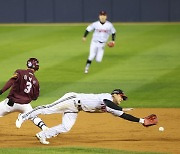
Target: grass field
{"points": [[145, 62], [70, 150]]}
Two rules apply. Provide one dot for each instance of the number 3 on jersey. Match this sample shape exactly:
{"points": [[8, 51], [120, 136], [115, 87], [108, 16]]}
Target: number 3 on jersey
{"points": [[28, 87]]}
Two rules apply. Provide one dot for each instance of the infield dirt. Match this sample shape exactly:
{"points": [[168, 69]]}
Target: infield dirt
{"points": [[100, 131]]}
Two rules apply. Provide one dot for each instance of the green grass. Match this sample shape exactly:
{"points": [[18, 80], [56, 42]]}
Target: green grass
{"points": [[145, 63], [69, 150]]}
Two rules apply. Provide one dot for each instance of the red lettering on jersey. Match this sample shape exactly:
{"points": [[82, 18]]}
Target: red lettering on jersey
{"points": [[102, 30]]}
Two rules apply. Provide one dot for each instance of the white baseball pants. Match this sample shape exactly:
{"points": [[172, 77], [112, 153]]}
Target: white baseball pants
{"points": [[65, 105], [96, 51], [22, 108]]}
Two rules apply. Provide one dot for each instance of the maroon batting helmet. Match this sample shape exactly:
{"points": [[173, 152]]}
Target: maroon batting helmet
{"points": [[33, 63]]}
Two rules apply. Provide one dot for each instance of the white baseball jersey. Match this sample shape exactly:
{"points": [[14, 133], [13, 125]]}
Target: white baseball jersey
{"points": [[92, 102], [99, 39], [101, 31]]}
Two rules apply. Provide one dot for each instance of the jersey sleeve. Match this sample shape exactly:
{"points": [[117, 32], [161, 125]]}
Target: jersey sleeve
{"points": [[112, 105], [113, 30], [10, 82], [16, 74], [130, 117], [114, 112], [91, 27], [117, 111], [113, 108]]}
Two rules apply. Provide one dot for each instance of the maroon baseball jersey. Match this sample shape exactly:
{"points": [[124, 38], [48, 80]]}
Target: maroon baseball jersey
{"points": [[25, 87]]}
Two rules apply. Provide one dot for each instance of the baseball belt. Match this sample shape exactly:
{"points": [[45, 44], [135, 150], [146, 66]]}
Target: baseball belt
{"points": [[78, 105]]}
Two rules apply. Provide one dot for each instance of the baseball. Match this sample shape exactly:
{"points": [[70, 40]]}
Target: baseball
{"points": [[161, 129]]}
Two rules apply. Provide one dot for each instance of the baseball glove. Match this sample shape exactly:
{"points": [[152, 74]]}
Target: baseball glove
{"points": [[150, 120], [111, 44]]}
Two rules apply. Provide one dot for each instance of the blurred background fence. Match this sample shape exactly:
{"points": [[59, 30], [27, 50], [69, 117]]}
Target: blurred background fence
{"points": [[52, 11]]}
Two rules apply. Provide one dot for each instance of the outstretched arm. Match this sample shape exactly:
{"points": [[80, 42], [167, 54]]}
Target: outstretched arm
{"points": [[111, 105], [7, 85], [118, 111], [85, 35], [129, 117]]}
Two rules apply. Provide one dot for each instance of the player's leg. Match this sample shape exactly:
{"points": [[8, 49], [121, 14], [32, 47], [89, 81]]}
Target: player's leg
{"points": [[36, 120], [92, 55], [100, 54], [68, 120], [5, 108], [88, 63], [59, 106], [33, 114]]}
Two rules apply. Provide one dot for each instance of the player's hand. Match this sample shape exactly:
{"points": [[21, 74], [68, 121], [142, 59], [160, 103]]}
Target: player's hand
{"points": [[84, 39]]}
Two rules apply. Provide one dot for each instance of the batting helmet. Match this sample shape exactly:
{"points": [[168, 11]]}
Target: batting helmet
{"points": [[120, 92], [33, 63]]}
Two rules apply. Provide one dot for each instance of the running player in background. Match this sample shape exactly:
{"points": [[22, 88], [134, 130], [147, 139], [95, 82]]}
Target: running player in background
{"points": [[24, 88], [102, 30]]}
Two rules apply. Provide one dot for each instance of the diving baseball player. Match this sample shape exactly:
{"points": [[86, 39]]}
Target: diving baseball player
{"points": [[102, 30], [24, 88], [71, 103]]}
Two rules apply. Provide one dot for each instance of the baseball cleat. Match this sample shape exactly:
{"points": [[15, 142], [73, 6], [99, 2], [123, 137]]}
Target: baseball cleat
{"points": [[19, 121], [86, 70], [41, 140]]}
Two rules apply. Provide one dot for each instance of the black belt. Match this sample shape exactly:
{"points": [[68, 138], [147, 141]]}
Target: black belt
{"points": [[79, 105], [101, 42]]}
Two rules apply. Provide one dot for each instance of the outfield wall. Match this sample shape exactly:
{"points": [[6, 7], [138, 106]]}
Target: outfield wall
{"points": [[22, 11]]}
